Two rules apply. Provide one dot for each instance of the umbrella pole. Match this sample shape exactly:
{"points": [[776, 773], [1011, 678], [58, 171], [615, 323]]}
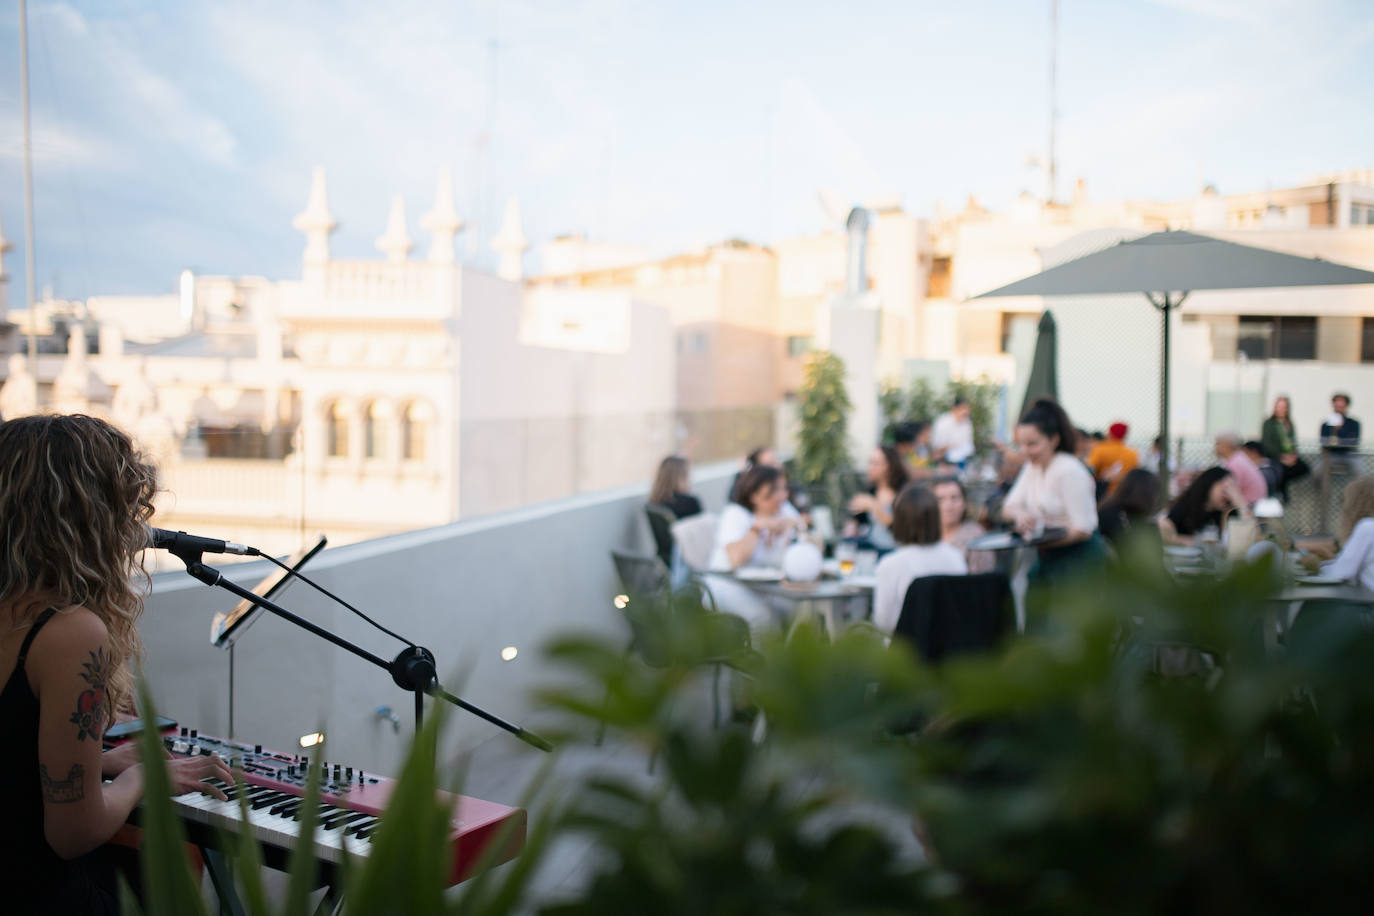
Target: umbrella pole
{"points": [[1165, 444], [1164, 306]]}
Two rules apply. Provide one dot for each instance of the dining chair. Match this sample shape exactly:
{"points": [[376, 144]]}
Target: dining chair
{"points": [[943, 616], [695, 537]]}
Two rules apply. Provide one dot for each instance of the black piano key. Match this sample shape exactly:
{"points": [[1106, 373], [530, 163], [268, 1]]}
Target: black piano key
{"points": [[322, 811], [286, 808], [270, 798], [361, 825], [343, 817]]}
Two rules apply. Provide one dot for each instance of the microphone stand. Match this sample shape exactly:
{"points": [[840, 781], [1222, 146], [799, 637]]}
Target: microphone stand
{"points": [[413, 669]]}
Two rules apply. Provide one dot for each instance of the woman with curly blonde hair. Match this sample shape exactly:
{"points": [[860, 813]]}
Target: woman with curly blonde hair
{"points": [[75, 498], [1355, 532]]}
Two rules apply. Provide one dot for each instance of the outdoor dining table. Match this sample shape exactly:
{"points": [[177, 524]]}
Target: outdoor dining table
{"points": [[826, 593]]}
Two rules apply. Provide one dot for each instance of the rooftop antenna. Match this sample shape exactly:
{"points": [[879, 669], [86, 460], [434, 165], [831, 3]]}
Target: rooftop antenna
{"points": [[1054, 88], [28, 185]]}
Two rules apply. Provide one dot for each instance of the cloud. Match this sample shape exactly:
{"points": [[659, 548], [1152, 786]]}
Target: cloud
{"points": [[137, 103], [58, 146]]}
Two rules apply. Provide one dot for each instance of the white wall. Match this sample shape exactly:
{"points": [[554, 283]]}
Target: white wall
{"points": [[464, 590]]}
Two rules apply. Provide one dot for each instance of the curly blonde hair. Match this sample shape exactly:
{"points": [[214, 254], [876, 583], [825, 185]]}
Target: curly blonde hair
{"points": [[1357, 503], [75, 499]]}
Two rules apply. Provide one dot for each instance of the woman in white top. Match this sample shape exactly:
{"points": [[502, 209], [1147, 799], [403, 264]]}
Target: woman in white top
{"points": [[754, 530], [1355, 562], [1054, 490], [916, 526]]}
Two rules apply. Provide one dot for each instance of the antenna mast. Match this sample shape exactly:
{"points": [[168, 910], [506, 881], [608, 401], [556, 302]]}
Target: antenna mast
{"points": [[1054, 110], [28, 187]]}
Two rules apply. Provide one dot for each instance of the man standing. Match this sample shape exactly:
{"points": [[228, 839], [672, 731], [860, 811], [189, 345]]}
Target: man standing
{"points": [[1112, 458], [1341, 435], [951, 439], [1248, 477]]}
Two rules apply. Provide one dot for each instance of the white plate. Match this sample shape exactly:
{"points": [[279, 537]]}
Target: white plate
{"points": [[862, 581], [758, 574], [1182, 550], [1320, 580]]}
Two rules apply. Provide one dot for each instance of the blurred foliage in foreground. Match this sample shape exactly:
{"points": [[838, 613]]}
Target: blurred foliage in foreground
{"points": [[1145, 752]]}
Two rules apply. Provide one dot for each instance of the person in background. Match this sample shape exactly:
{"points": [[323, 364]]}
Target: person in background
{"points": [[1150, 461], [763, 455], [920, 552], [670, 488], [1083, 444], [1248, 478], [912, 441], [1280, 441], [1129, 511], [752, 531], [956, 528], [873, 510], [1340, 435], [1054, 490], [1206, 501], [1009, 466], [1112, 459], [1271, 471], [76, 497], [1355, 532], [951, 439]]}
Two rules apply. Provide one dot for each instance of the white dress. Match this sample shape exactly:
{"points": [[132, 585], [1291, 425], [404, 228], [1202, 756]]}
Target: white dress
{"points": [[732, 596]]}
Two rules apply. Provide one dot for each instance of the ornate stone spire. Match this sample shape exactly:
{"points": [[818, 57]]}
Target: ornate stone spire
{"points": [[510, 243], [442, 223], [316, 221], [395, 241]]}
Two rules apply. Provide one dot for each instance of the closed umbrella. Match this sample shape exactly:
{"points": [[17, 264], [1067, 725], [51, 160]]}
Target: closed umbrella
{"points": [[1165, 267], [1044, 373]]}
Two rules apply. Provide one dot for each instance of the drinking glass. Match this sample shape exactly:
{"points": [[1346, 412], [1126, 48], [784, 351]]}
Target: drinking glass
{"points": [[846, 552]]}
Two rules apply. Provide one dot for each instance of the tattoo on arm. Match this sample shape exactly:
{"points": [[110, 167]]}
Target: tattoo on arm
{"points": [[62, 791], [89, 717]]}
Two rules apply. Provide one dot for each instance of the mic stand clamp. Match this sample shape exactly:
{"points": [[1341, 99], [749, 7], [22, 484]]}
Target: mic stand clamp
{"points": [[414, 669]]}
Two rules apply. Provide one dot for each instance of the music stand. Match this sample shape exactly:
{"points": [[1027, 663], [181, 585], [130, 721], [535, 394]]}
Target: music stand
{"points": [[225, 629]]}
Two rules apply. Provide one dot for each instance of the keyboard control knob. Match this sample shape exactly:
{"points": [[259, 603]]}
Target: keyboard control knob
{"points": [[194, 733], [257, 748]]}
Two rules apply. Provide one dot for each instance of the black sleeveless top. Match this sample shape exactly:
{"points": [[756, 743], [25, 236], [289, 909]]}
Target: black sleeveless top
{"points": [[41, 881]]}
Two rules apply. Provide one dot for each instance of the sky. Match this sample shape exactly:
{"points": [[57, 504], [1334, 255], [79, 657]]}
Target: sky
{"points": [[172, 135]]}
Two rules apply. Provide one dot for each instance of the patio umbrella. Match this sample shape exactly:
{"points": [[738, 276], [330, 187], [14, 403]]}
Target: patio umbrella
{"points": [[1043, 381], [1165, 267]]}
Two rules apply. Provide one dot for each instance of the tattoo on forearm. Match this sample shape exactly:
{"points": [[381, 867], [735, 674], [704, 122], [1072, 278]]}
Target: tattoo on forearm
{"points": [[62, 791], [89, 717]]}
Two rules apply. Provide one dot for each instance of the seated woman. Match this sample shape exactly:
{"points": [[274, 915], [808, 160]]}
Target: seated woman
{"points": [[1054, 490], [1129, 511], [916, 526], [872, 511], [75, 497], [1355, 562], [956, 528], [1205, 502], [671, 488], [753, 531]]}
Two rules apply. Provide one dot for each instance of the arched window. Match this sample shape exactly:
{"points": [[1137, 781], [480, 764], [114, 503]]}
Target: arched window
{"points": [[336, 436], [375, 417], [414, 431]]}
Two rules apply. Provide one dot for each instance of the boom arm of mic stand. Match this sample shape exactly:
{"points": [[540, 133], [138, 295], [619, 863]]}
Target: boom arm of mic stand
{"points": [[412, 670]]}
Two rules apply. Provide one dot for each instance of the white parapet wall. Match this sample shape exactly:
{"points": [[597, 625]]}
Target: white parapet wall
{"points": [[467, 591]]}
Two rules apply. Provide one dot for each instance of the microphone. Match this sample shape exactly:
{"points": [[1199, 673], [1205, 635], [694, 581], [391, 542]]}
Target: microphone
{"points": [[179, 542]]}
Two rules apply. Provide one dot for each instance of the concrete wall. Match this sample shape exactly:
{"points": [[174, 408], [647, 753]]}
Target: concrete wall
{"points": [[464, 590]]}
